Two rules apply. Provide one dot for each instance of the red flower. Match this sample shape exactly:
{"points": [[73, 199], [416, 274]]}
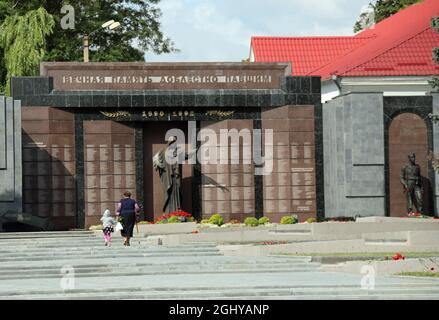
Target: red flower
{"points": [[398, 256]]}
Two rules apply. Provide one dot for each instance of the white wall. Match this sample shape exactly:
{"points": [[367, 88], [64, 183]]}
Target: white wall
{"points": [[389, 86]]}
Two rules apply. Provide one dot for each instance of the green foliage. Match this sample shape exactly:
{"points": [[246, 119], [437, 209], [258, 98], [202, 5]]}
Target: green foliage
{"points": [[311, 220], [383, 9], [139, 23], [251, 221], [174, 219], [23, 39], [263, 220], [140, 32], [434, 82], [216, 219], [205, 221], [288, 220]]}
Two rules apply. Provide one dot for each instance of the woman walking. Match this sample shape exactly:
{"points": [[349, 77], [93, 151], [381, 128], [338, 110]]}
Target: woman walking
{"points": [[126, 210]]}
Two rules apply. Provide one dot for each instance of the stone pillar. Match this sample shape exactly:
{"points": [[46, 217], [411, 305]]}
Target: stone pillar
{"points": [[291, 187], [10, 156], [353, 131]]}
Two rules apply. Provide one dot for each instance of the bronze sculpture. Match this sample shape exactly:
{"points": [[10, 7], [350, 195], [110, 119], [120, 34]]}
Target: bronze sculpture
{"points": [[170, 176], [411, 180]]}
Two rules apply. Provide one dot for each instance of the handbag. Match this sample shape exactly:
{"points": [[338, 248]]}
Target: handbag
{"points": [[119, 227]]}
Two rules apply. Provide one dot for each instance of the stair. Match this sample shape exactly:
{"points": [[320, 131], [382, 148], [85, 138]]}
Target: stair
{"points": [[31, 267]]}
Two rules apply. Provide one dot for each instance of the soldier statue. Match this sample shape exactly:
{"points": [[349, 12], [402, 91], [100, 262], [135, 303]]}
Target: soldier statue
{"points": [[411, 180]]}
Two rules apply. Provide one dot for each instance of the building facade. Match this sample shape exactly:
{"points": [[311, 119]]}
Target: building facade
{"points": [[90, 132]]}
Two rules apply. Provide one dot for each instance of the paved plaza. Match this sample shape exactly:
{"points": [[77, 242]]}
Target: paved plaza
{"points": [[38, 266]]}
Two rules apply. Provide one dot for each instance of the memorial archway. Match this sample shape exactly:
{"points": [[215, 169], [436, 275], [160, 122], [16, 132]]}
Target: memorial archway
{"points": [[407, 134]]}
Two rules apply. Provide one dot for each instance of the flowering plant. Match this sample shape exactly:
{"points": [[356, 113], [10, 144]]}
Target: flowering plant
{"points": [[180, 216]]}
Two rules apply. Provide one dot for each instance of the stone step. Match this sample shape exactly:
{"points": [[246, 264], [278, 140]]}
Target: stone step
{"points": [[159, 271], [83, 242], [250, 293], [202, 262], [189, 264], [45, 235], [17, 252], [115, 256]]}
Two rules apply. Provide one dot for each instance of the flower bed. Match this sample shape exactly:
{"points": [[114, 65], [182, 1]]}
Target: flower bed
{"points": [[175, 217]]}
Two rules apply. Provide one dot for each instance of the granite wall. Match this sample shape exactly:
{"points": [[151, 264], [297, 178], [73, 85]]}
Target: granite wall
{"points": [[229, 189], [49, 167], [10, 155], [109, 166], [354, 156], [291, 187]]}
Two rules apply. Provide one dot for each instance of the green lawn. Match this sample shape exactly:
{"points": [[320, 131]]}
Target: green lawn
{"points": [[365, 254], [420, 274]]}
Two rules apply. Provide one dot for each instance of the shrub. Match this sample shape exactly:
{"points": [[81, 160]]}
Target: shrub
{"points": [[174, 219], [311, 220], [205, 221], [216, 219], [251, 221], [143, 222], [288, 220], [263, 220]]}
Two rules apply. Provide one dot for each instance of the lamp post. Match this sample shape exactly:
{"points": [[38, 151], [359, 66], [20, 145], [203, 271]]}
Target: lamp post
{"points": [[111, 25]]}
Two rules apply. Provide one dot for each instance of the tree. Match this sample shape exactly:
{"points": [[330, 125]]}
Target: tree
{"points": [[435, 25], [140, 29], [381, 9], [23, 39]]}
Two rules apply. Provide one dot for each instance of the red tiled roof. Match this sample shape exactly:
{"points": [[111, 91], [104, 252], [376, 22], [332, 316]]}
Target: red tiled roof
{"points": [[399, 45], [306, 53]]}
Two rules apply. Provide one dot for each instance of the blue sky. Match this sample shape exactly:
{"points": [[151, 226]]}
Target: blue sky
{"points": [[220, 30]]}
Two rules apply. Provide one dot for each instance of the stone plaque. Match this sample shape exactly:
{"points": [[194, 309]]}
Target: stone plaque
{"points": [[130, 167], [130, 181], [209, 207], [104, 153], [92, 168], [129, 153], [91, 153], [92, 195], [68, 153], [92, 182], [146, 76], [117, 153]]}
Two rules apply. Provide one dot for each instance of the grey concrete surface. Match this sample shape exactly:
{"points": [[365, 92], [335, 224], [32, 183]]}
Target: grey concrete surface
{"points": [[37, 268]]}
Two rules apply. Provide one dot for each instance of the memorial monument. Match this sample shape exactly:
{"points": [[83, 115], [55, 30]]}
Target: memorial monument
{"points": [[165, 164], [412, 182]]}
